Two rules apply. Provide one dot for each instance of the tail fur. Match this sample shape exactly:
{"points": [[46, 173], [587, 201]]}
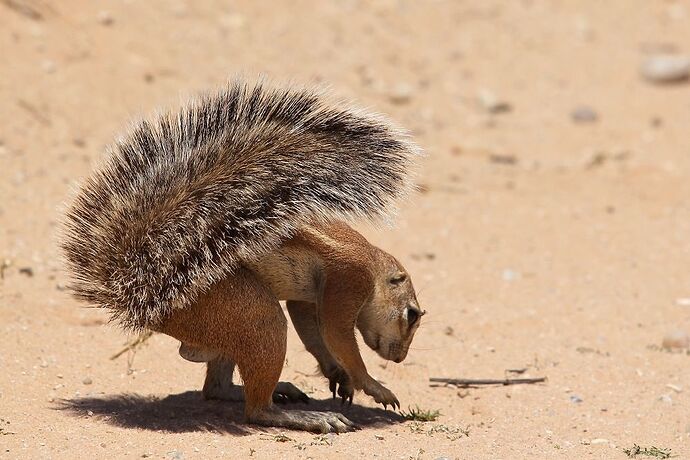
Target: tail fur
{"points": [[185, 197]]}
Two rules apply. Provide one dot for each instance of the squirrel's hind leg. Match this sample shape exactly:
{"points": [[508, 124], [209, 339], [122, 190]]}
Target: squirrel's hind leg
{"points": [[241, 319], [219, 385]]}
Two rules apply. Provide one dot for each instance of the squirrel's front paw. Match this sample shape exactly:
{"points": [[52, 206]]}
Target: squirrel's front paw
{"points": [[339, 382], [381, 394]]}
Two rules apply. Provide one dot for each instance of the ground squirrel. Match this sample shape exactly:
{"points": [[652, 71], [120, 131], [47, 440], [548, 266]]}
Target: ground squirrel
{"points": [[201, 220]]}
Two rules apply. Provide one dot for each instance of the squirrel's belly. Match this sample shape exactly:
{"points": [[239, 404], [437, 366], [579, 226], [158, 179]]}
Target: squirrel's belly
{"points": [[292, 273]]}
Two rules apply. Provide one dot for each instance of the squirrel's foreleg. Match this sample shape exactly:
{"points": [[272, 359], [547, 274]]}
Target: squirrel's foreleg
{"points": [[345, 291], [305, 321]]}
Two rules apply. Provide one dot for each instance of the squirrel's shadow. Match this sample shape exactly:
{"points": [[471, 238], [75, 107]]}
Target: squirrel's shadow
{"points": [[188, 412]]}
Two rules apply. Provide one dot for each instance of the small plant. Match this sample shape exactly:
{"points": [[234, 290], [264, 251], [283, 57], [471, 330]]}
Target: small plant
{"points": [[322, 440], [278, 438], [653, 451], [421, 415], [450, 432]]}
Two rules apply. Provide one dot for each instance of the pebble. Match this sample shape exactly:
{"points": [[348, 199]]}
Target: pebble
{"points": [[584, 114], [676, 339], [503, 159], [105, 18], [509, 275], [676, 388], [666, 68], [666, 398], [575, 399], [233, 21], [492, 103], [48, 66], [400, 94], [596, 441], [87, 381]]}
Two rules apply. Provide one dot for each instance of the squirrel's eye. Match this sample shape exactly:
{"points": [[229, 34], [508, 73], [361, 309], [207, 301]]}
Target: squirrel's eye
{"points": [[412, 316], [398, 279]]}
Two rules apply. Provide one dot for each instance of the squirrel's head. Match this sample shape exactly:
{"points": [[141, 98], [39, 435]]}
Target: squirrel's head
{"points": [[391, 316]]}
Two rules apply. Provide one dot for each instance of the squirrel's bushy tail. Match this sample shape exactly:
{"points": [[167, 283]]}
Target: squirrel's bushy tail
{"points": [[183, 198]]}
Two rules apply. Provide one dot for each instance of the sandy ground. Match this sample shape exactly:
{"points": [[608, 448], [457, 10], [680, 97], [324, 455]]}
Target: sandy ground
{"points": [[538, 243]]}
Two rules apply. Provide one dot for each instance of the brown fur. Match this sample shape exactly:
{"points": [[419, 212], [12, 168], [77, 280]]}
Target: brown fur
{"points": [[353, 284], [187, 196], [200, 220]]}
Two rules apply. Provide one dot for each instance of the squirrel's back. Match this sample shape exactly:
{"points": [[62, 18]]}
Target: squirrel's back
{"points": [[185, 197]]}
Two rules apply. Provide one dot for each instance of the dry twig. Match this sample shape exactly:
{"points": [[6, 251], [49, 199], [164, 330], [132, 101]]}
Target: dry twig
{"points": [[133, 344], [473, 382]]}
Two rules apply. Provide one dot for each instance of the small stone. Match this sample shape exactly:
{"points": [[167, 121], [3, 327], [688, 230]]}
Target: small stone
{"points": [[596, 441], [87, 381], [401, 94], [175, 455], [666, 399], [449, 331], [379, 437], [48, 66], [509, 275], [89, 413], [584, 114], [676, 388], [233, 21], [676, 340], [666, 68], [575, 399], [503, 159], [105, 18], [27, 271], [492, 103]]}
